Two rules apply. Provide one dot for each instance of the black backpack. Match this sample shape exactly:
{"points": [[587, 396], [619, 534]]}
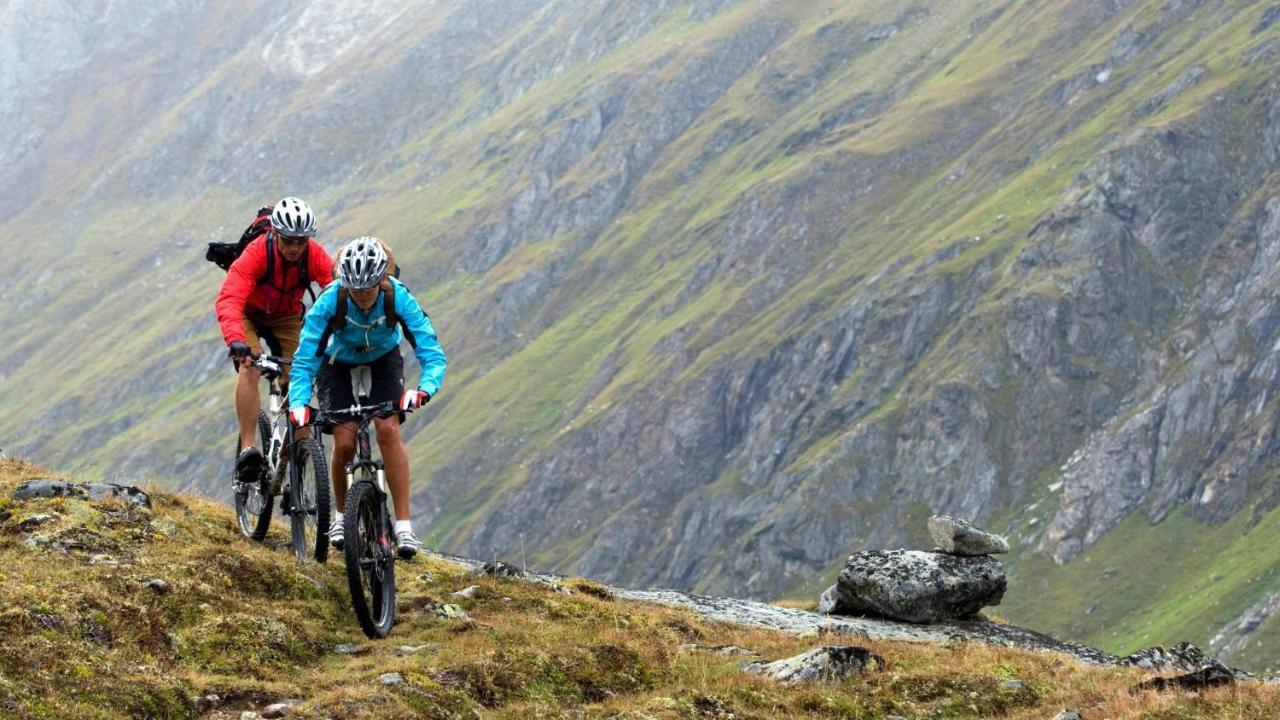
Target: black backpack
{"points": [[339, 319], [224, 254]]}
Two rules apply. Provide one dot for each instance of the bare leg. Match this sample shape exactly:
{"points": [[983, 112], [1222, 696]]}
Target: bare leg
{"points": [[344, 451], [396, 462], [248, 404]]}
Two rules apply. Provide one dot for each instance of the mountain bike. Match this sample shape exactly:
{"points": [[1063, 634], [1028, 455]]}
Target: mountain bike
{"points": [[294, 469], [368, 543]]}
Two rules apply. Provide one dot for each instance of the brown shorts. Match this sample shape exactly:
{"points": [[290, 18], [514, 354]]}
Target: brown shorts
{"points": [[279, 333]]}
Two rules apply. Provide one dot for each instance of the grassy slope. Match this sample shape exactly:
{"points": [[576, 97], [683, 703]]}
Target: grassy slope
{"points": [[1145, 584], [84, 638], [492, 396]]}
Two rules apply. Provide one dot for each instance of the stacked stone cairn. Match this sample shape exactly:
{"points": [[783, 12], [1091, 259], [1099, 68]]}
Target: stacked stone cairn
{"points": [[952, 582]]}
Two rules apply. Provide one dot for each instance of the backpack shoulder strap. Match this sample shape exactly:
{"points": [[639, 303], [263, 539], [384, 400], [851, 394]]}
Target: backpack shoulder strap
{"points": [[389, 302], [337, 322], [270, 275], [304, 272], [393, 318]]}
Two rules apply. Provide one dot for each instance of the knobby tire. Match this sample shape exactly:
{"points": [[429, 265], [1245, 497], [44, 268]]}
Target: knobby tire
{"points": [[309, 500], [253, 506], [370, 553]]}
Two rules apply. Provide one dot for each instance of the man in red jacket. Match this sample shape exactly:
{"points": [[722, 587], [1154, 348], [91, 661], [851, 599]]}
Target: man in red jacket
{"points": [[261, 300]]}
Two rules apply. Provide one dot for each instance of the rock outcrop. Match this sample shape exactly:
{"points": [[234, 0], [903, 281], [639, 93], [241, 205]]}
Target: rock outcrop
{"points": [[827, 664], [95, 491]]}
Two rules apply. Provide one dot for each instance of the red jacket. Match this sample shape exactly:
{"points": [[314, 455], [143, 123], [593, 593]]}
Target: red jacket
{"points": [[280, 296]]}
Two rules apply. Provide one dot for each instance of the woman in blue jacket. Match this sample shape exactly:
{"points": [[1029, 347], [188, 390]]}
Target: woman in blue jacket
{"points": [[366, 339]]}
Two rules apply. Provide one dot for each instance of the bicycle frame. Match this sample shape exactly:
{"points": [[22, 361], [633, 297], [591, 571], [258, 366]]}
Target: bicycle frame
{"points": [[281, 429], [363, 416], [364, 459]]}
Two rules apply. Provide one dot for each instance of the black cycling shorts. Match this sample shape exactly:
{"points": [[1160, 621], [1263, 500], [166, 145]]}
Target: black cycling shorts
{"points": [[333, 382]]}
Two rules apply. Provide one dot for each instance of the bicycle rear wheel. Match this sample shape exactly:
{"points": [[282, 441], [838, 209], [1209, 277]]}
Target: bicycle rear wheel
{"points": [[253, 500], [370, 557], [309, 500]]}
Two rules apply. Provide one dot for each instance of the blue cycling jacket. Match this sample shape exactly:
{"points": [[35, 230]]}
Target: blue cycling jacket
{"points": [[365, 339]]}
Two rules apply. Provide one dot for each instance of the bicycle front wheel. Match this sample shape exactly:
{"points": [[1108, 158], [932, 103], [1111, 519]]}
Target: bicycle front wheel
{"points": [[309, 501], [253, 500], [370, 557]]}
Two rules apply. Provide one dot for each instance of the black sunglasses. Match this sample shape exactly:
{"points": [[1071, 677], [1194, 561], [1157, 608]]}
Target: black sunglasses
{"points": [[292, 240]]}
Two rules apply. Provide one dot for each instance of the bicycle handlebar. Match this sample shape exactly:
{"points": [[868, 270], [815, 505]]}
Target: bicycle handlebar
{"points": [[271, 365], [359, 413]]}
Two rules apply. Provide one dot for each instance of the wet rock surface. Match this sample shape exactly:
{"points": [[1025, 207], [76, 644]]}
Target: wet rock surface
{"points": [[960, 537], [921, 587]]}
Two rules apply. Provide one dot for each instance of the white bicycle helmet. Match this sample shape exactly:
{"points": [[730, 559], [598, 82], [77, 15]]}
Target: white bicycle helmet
{"points": [[362, 263], [293, 218]]}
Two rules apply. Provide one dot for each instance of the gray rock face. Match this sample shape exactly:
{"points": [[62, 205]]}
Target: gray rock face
{"points": [[157, 586], [828, 664], [282, 709], [87, 491], [1233, 639], [1188, 79], [1183, 656], [829, 603], [1269, 18], [959, 537], [918, 586]]}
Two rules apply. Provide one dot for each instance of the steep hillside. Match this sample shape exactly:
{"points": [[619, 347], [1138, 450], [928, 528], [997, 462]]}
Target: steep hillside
{"points": [[115, 610], [729, 288]]}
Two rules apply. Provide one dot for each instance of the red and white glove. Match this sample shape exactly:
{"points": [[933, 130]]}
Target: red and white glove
{"points": [[300, 416], [413, 399]]}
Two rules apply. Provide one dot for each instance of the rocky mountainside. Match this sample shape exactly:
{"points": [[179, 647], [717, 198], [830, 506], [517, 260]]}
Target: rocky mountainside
{"points": [[729, 289]]}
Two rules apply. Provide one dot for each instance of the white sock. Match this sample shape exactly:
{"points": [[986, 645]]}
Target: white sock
{"points": [[404, 526]]}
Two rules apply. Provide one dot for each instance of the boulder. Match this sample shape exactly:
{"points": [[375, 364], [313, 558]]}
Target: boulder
{"points": [[830, 664], [959, 537], [501, 569], [281, 709], [919, 587], [157, 586]]}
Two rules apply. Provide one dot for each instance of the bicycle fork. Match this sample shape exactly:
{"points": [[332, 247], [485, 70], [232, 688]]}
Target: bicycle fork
{"points": [[363, 453]]}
